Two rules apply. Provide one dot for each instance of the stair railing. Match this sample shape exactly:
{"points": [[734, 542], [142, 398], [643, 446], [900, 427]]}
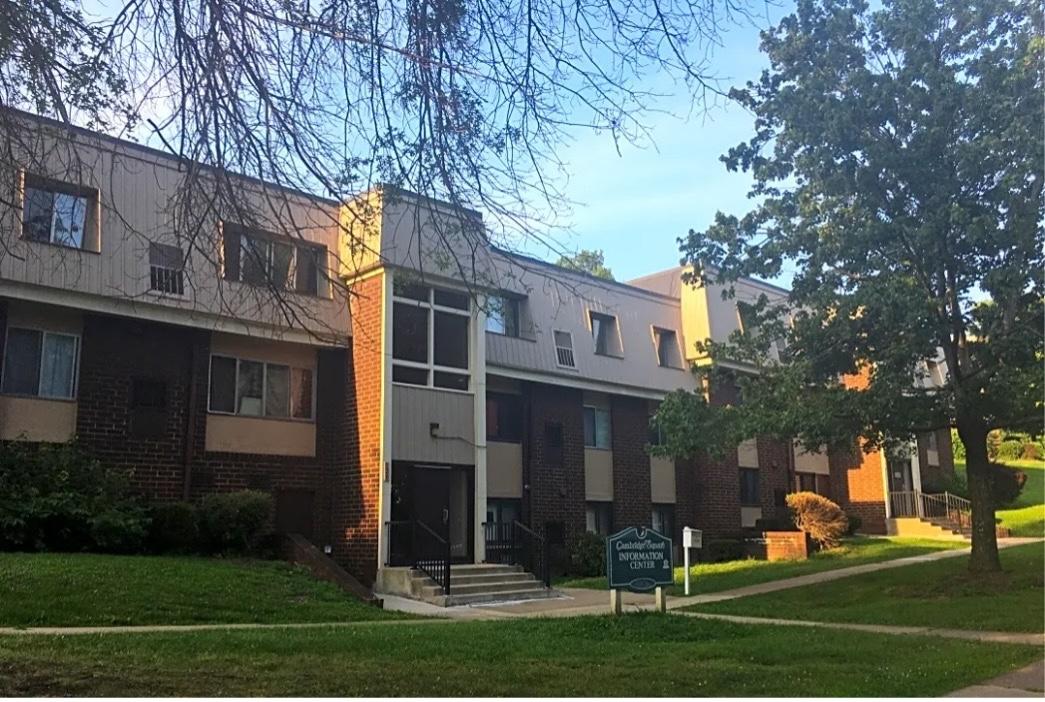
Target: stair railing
{"points": [[432, 554], [531, 552]]}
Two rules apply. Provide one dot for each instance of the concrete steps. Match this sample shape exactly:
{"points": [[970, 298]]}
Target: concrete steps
{"points": [[924, 528], [477, 584]]}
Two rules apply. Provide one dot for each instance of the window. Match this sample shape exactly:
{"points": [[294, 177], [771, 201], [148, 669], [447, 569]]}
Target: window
{"points": [[165, 269], [597, 428], [40, 363], [564, 349], [656, 434], [502, 315], [599, 518], [748, 317], [805, 482], [668, 355], [430, 338], [663, 520], [260, 258], [932, 443], [604, 334], [749, 490], [56, 213], [502, 511], [258, 389], [504, 417]]}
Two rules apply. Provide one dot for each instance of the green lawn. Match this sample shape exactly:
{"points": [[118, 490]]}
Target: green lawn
{"points": [[715, 577], [940, 594], [1025, 517], [66, 589], [636, 655]]}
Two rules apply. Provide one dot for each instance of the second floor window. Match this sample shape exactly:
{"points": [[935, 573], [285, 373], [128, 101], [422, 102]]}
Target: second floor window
{"points": [[260, 258], [259, 389], [430, 337], [57, 213], [40, 363], [165, 269], [604, 334], [597, 428], [502, 315]]}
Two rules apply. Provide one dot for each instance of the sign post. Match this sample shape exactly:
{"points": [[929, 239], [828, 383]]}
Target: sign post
{"points": [[639, 560], [691, 538]]}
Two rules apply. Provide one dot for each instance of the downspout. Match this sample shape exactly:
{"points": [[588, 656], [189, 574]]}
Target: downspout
{"points": [[190, 429]]}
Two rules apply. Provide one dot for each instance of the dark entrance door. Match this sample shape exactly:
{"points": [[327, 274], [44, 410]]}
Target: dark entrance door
{"points": [[901, 488], [440, 497]]}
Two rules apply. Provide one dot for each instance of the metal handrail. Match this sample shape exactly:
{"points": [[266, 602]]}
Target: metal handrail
{"points": [[953, 510], [531, 551], [435, 562]]}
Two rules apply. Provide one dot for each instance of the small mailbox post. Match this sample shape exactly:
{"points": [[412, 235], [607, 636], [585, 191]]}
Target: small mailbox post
{"points": [[639, 560], [691, 538]]}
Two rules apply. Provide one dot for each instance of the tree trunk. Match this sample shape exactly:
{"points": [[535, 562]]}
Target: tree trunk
{"points": [[984, 557]]}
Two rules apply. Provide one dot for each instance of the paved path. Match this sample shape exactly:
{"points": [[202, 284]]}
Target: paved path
{"points": [[1025, 682]]}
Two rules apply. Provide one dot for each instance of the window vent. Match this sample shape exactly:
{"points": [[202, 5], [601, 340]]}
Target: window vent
{"points": [[564, 349], [165, 269]]}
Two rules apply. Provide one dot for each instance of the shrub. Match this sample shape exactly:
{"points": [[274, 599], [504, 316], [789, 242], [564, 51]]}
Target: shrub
{"points": [[54, 496], [957, 446], [854, 524], [993, 444], [822, 519], [174, 528], [1009, 450], [588, 555], [1033, 451], [953, 483], [719, 550], [1006, 484], [234, 522]]}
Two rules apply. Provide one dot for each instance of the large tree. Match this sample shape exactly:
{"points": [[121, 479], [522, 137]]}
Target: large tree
{"points": [[590, 261], [897, 167]]}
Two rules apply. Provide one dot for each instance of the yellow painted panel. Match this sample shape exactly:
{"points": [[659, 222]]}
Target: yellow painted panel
{"points": [[275, 437], [36, 419]]}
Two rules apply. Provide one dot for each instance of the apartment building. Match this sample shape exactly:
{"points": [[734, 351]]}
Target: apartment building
{"points": [[409, 374]]}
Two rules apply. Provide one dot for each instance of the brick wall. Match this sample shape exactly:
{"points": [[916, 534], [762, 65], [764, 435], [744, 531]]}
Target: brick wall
{"points": [[775, 478], [718, 496], [358, 468], [632, 505], [557, 490], [934, 477], [856, 480]]}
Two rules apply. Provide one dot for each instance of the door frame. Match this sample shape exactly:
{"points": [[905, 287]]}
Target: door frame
{"points": [[404, 496]]}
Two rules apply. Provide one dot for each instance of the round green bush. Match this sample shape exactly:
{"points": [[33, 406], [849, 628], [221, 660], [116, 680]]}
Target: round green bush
{"points": [[234, 522], [174, 528], [588, 555]]}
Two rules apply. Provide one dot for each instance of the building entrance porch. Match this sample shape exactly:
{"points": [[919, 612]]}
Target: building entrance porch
{"points": [[433, 510]]}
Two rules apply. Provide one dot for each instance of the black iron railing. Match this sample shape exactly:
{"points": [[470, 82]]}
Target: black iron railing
{"points": [[413, 543], [514, 543]]}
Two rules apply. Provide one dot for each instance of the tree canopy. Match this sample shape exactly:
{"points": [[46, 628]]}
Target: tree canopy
{"points": [[897, 162], [590, 261]]}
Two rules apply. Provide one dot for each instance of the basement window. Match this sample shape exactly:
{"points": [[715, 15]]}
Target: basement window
{"points": [[430, 337]]}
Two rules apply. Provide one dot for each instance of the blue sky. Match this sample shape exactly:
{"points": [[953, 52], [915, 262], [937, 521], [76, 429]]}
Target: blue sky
{"points": [[636, 204]]}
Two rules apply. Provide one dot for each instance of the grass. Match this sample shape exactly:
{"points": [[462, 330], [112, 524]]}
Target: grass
{"points": [[715, 577], [939, 594], [1026, 516], [79, 589], [637, 655]]}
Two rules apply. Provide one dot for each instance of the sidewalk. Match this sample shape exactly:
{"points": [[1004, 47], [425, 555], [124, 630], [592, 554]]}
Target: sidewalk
{"points": [[1025, 682]]}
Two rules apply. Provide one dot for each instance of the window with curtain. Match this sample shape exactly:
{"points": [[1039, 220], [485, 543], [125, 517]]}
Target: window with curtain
{"points": [[40, 363], [258, 389], [597, 428]]}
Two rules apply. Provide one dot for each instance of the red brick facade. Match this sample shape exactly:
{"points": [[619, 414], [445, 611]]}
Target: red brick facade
{"points": [[631, 462]]}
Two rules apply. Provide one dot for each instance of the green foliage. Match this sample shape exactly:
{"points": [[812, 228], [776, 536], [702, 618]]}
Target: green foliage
{"points": [[175, 528], [55, 497], [822, 519], [588, 555], [957, 447], [234, 522], [1006, 483], [592, 262], [896, 162], [722, 550]]}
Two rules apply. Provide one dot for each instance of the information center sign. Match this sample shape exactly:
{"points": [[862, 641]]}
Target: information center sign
{"points": [[638, 559]]}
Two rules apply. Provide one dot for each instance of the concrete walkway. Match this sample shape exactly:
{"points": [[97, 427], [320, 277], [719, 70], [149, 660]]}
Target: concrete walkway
{"points": [[1025, 682]]}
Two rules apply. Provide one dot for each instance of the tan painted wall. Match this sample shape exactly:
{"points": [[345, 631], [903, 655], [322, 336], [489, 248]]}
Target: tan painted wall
{"points": [[662, 480], [275, 437], [136, 193], [415, 408], [750, 515], [297, 355], [36, 419], [598, 474], [806, 462], [747, 454], [503, 469]]}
